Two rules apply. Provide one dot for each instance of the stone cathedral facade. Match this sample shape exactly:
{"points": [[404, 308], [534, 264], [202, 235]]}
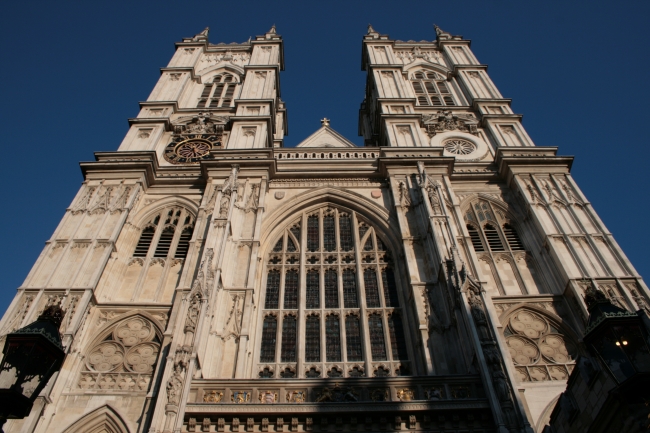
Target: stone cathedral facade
{"points": [[215, 281]]}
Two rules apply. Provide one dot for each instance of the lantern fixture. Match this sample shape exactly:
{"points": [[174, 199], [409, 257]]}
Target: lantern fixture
{"points": [[31, 356], [618, 337]]}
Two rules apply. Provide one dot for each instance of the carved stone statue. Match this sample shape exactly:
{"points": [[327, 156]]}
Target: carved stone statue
{"points": [[174, 386], [193, 313]]}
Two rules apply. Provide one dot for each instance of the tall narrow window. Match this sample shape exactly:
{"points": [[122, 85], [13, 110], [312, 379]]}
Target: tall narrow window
{"points": [[372, 289], [377, 344], [272, 290], [353, 337], [345, 229], [431, 89], [329, 238], [269, 336], [350, 298], [312, 339], [291, 290], [396, 331], [288, 339], [312, 298], [476, 238], [492, 236], [333, 338], [512, 237], [165, 242], [184, 243], [144, 243], [218, 93], [312, 233], [390, 289], [331, 289]]}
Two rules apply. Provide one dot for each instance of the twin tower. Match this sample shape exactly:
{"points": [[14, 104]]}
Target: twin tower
{"points": [[216, 281]]}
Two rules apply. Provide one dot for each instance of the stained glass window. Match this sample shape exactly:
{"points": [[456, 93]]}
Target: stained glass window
{"points": [[396, 331], [329, 238], [272, 290], [331, 289], [291, 247], [332, 328], [376, 330], [345, 231], [390, 289], [312, 233], [312, 339], [291, 290], [288, 339], [353, 337], [372, 289], [313, 290], [333, 338], [269, 335], [350, 299]]}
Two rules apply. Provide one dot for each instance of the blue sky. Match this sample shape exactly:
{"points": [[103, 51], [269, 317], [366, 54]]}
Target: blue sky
{"points": [[74, 73]]}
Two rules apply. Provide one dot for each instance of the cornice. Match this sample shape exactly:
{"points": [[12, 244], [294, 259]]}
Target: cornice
{"points": [[180, 69], [511, 161]]}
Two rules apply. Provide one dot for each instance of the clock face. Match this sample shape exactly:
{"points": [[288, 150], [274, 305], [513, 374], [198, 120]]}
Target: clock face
{"points": [[191, 148]]}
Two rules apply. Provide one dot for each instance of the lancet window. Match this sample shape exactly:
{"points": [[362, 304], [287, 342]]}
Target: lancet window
{"points": [[340, 273], [166, 234], [432, 89], [219, 92], [488, 232]]}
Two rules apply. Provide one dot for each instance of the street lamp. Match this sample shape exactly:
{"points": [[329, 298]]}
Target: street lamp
{"points": [[31, 356], [618, 337]]}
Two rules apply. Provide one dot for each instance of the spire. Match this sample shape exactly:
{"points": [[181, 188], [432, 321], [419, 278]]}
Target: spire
{"points": [[372, 33], [272, 31], [370, 29], [442, 35]]}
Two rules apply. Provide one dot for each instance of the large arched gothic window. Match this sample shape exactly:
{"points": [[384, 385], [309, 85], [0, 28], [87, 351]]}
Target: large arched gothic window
{"points": [[219, 92], [539, 350], [331, 306], [431, 88], [167, 234]]}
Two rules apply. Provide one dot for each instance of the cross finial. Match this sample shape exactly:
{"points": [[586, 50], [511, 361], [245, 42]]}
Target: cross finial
{"points": [[325, 121]]}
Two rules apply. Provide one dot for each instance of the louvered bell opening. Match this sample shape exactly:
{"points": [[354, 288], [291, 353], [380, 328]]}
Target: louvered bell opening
{"points": [[493, 238], [145, 242], [417, 87], [422, 100], [205, 95], [448, 100], [512, 237], [476, 239], [164, 243], [430, 87], [183, 243], [443, 87], [435, 100]]}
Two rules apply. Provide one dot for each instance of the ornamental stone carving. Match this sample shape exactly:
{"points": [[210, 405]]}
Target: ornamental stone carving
{"points": [[445, 120]]}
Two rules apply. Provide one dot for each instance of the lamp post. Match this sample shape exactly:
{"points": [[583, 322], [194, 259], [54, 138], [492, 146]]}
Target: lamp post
{"points": [[618, 337], [31, 356]]}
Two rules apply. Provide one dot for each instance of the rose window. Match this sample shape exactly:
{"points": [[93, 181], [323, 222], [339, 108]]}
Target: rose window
{"points": [[124, 359], [457, 146], [539, 351]]}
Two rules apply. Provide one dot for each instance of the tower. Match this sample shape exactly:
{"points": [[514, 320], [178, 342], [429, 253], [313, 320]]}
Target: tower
{"points": [[214, 280]]}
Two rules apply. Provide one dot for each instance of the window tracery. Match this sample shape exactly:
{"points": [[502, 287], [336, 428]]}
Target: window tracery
{"points": [[125, 357], [336, 292], [219, 92], [431, 89], [167, 239], [539, 350]]}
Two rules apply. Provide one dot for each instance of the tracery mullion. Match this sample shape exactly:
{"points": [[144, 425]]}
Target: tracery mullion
{"points": [[302, 278], [361, 291]]}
